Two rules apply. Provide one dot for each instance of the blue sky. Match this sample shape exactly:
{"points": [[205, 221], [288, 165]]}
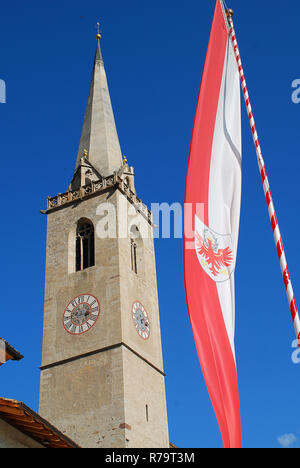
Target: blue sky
{"points": [[154, 54]]}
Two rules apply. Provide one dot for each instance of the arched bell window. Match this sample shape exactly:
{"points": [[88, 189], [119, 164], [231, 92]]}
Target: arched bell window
{"points": [[85, 245]]}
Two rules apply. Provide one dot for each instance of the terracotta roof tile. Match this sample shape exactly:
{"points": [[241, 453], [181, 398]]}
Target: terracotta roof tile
{"points": [[20, 416]]}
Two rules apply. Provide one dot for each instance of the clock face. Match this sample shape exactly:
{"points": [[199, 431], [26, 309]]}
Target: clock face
{"points": [[81, 314], [140, 320]]}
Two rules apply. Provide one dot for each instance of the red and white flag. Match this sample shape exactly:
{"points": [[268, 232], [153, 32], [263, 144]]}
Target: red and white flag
{"points": [[213, 196]]}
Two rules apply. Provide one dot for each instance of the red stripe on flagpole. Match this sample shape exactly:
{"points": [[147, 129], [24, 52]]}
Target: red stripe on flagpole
{"points": [[268, 197], [294, 310], [279, 248], [274, 222], [286, 277], [263, 171]]}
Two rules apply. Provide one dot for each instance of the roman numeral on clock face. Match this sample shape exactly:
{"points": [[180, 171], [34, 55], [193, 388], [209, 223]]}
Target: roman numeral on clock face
{"points": [[68, 325]]}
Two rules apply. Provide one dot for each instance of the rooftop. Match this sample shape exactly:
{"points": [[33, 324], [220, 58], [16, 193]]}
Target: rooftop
{"points": [[9, 353], [20, 416]]}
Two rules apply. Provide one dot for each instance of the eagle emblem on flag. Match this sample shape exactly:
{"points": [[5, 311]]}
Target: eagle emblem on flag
{"points": [[214, 252]]}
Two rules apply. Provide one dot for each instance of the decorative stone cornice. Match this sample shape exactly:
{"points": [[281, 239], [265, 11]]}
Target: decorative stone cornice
{"points": [[94, 188]]}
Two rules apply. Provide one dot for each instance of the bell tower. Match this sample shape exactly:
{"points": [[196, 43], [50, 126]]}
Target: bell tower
{"points": [[102, 378]]}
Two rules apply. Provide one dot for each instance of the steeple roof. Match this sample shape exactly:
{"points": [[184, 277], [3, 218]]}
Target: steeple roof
{"points": [[98, 56], [99, 138]]}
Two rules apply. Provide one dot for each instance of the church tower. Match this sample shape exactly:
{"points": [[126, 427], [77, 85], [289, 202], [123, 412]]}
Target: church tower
{"points": [[102, 378]]}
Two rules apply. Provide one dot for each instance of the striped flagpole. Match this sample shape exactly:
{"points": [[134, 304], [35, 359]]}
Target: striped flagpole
{"points": [[266, 186]]}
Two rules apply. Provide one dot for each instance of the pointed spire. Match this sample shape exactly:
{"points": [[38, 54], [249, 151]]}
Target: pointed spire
{"points": [[98, 57], [99, 135]]}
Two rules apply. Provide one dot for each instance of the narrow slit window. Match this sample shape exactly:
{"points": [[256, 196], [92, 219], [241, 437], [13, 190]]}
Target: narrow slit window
{"points": [[147, 413], [133, 256], [85, 246]]}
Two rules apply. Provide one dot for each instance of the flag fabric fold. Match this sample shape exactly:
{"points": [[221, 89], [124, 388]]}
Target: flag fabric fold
{"points": [[212, 200]]}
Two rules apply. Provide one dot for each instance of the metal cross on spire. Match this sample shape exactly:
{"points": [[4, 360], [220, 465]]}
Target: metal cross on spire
{"points": [[98, 36]]}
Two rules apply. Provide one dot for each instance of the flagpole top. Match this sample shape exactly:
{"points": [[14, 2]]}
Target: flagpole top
{"points": [[229, 13]]}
